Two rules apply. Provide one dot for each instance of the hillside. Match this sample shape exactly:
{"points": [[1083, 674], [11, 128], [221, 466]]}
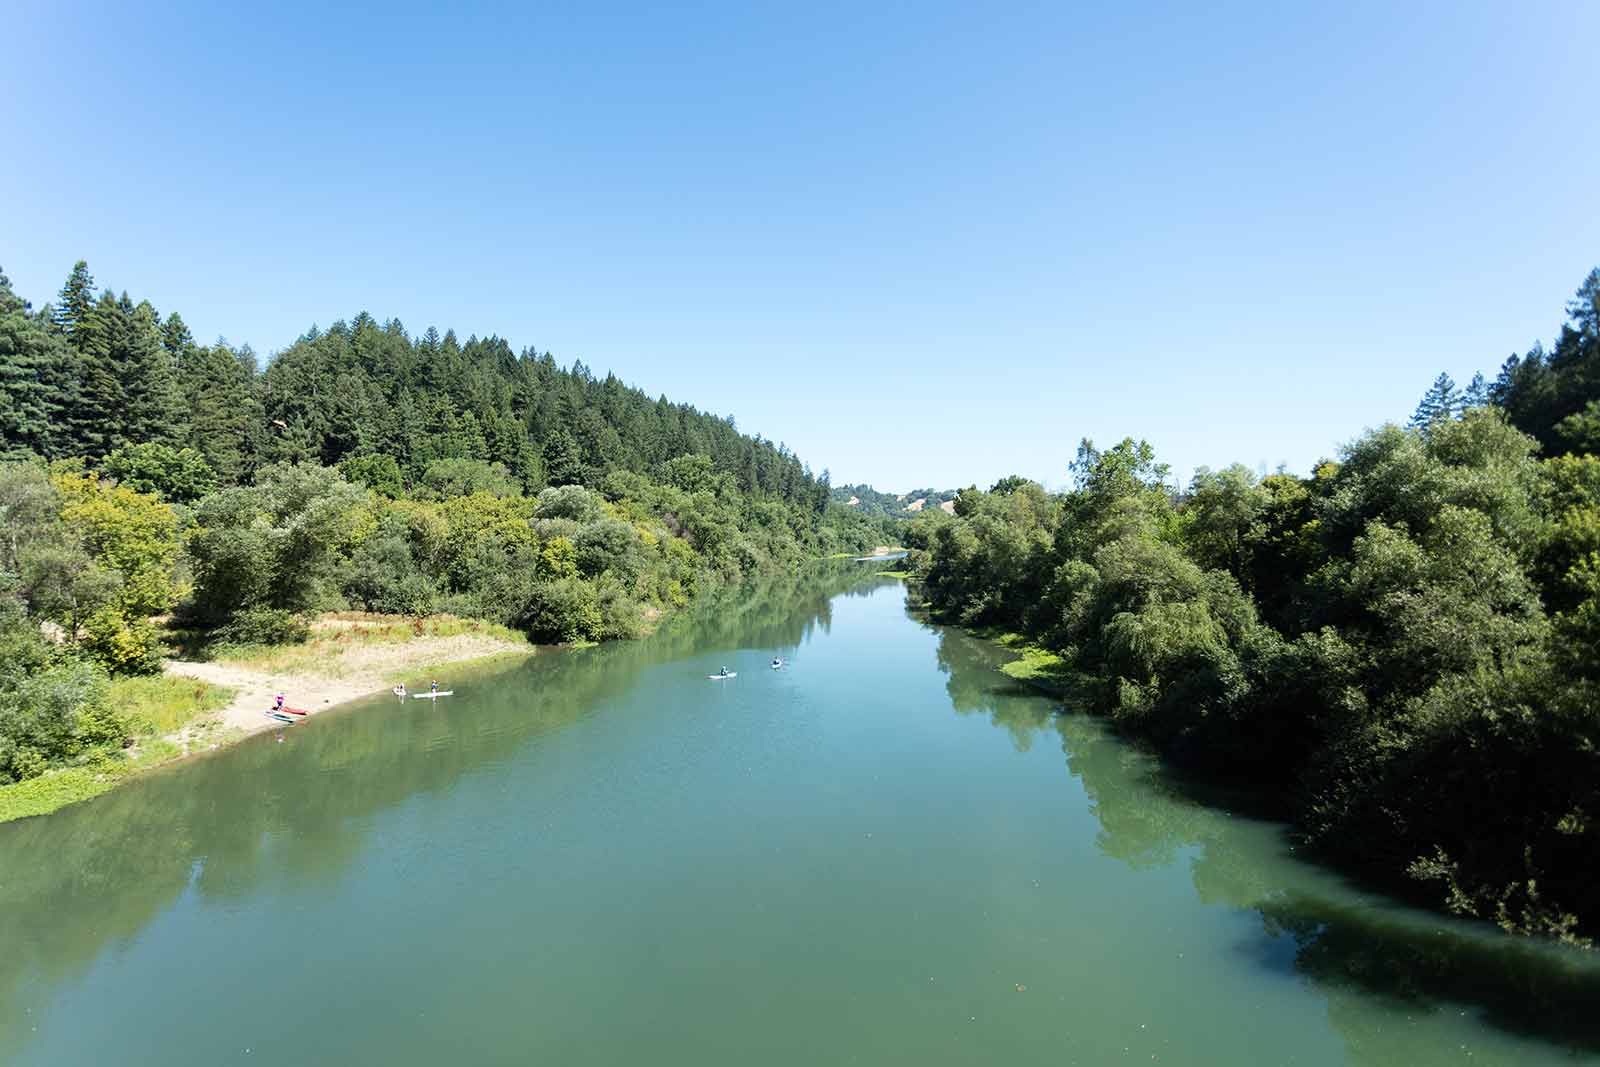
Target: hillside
{"points": [[144, 475], [869, 501]]}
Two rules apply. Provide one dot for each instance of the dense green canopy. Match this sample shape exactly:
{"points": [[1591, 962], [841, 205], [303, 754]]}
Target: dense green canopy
{"points": [[1404, 646], [142, 473]]}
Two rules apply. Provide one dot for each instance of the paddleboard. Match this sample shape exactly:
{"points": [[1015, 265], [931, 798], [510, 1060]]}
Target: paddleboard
{"points": [[431, 696], [281, 718], [720, 677]]}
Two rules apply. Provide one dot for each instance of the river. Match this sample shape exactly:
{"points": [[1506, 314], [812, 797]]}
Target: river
{"points": [[884, 853]]}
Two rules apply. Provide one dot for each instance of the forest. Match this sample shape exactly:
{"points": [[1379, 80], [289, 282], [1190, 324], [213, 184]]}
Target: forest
{"points": [[146, 477], [1399, 651], [869, 501]]}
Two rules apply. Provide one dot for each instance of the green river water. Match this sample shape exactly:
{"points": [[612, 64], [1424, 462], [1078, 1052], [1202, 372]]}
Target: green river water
{"points": [[885, 853]]}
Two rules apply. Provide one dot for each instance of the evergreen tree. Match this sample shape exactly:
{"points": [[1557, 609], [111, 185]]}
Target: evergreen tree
{"points": [[1477, 393], [1441, 401], [223, 413], [27, 350], [75, 303], [156, 409], [177, 340], [98, 425], [563, 462]]}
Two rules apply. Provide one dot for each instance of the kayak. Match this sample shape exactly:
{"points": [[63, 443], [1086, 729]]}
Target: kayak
{"points": [[720, 677], [292, 711], [281, 718], [431, 696]]}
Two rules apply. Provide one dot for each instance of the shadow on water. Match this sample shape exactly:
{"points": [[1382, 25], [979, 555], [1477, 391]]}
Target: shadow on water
{"points": [[92, 876], [1353, 945]]}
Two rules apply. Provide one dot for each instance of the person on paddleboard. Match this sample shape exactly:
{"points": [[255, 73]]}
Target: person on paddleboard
{"points": [[434, 688]]}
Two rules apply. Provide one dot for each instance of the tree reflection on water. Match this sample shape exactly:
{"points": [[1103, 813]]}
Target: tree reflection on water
{"points": [[1354, 945]]}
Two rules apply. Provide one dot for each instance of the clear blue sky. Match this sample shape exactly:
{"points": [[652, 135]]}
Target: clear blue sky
{"points": [[921, 244]]}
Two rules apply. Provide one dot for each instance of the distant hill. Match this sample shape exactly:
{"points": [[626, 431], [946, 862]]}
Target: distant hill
{"points": [[868, 501]]}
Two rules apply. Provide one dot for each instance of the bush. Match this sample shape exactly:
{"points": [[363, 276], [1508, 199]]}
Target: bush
{"points": [[447, 479], [264, 626], [179, 474], [121, 644], [562, 611], [376, 471], [52, 716]]}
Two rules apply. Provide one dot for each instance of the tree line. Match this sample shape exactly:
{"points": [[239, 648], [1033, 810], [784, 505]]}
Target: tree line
{"points": [[1401, 650], [143, 474]]}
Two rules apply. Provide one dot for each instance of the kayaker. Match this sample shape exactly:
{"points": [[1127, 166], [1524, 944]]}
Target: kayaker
{"points": [[776, 663], [724, 672]]}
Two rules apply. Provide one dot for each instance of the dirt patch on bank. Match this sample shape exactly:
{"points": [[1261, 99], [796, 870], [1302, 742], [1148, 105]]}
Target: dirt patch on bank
{"points": [[339, 674]]}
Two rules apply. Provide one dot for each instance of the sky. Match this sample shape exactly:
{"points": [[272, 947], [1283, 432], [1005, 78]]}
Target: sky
{"points": [[922, 244]]}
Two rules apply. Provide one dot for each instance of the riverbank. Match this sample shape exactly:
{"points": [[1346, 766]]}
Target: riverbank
{"points": [[203, 705]]}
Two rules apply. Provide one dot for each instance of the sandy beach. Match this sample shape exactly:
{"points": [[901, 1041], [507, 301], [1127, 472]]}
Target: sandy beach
{"points": [[336, 675]]}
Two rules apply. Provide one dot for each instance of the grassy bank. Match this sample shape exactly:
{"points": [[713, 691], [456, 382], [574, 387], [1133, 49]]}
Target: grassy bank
{"points": [[217, 698], [162, 713], [342, 640]]}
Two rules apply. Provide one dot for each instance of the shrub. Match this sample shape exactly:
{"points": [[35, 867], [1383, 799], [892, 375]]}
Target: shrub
{"points": [[123, 645], [264, 626], [562, 611]]}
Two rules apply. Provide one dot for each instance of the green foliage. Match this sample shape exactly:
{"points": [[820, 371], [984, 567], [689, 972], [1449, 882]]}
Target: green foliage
{"points": [[177, 474], [52, 710], [33, 363], [1548, 394], [1442, 401], [45, 793], [446, 478], [263, 626], [564, 609], [361, 468], [1375, 643], [378, 472]]}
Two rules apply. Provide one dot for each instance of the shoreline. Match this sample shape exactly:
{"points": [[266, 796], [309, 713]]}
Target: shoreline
{"points": [[357, 672], [328, 672]]}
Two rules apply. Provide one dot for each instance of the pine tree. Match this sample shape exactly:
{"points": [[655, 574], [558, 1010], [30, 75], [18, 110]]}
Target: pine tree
{"points": [[177, 340], [156, 409], [27, 349], [1441, 401], [1477, 393], [563, 462], [97, 423], [223, 413], [75, 303]]}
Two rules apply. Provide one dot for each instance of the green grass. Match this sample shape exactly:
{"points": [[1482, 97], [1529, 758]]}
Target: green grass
{"points": [[1035, 665], [57, 789], [161, 704], [154, 707], [337, 633]]}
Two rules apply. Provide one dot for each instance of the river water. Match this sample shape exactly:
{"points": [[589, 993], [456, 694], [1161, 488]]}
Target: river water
{"points": [[884, 853]]}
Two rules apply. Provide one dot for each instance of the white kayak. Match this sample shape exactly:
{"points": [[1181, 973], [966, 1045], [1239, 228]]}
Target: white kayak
{"points": [[432, 696], [720, 677]]}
